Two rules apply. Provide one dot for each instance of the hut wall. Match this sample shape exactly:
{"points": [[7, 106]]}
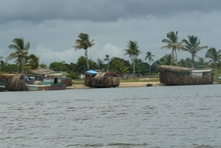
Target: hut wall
{"points": [[67, 82]]}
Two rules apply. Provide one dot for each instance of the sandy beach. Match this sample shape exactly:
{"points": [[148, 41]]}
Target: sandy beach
{"points": [[122, 84]]}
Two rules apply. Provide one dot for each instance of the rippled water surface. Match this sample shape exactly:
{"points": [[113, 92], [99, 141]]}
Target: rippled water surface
{"points": [[140, 117]]}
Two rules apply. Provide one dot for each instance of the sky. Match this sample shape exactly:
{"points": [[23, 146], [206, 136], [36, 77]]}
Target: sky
{"points": [[52, 26]]}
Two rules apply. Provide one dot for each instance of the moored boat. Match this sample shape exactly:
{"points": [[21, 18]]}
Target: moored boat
{"points": [[34, 87]]}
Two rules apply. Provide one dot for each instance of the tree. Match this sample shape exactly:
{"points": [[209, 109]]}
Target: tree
{"points": [[192, 45], [149, 56], [172, 43], [166, 60], [133, 51], [83, 42], [1, 62], [214, 56], [10, 68], [100, 64], [42, 65], [107, 58], [81, 64], [184, 63], [58, 66], [20, 54], [33, 61], [118, 66], [201, 63]]}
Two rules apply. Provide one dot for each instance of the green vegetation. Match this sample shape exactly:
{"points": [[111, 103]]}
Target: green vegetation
{"points": [[141, 67], [192, 45]]}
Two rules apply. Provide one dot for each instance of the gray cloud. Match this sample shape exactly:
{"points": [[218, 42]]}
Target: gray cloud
{"points": [[99, 10], [52, 26]]}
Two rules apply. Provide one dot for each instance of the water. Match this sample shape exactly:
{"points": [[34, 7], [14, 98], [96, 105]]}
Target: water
{"points": [[140, 117]]}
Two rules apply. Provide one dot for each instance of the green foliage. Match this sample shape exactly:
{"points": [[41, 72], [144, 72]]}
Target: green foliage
{"points": [[58, 66], [172, 43], [192, 45], [9, 68], [150, 59], [32, 62], [119, 67], [72, 76], [81, 64], [43, 65], [167, 60], [214, 56], [20, 54], [133, 51]]}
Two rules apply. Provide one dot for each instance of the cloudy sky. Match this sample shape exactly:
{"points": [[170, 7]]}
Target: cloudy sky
{"points": [[52, 26]]}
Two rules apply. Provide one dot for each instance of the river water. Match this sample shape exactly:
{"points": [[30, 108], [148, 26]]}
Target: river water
{"points": [[136, 117]]}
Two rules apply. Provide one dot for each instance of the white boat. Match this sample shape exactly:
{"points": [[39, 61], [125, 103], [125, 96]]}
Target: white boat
{"points": [[33, 87]]}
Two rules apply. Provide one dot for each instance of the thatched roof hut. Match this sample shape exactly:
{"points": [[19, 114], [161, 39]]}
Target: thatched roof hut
{"points": [[15, 82], [101, 79], [176, 75]]}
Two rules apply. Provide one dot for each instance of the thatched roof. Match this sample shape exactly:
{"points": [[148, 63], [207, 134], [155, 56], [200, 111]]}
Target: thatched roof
{"points": [[6, 75], [173, 68], [42, 71], [99, 75]]}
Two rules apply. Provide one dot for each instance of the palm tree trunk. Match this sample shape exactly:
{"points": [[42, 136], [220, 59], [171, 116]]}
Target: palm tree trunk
{"points": [[108, 65], [192, 62], [149, 66], [175, 54], [134, 67], [87, 59], [22, 67]]}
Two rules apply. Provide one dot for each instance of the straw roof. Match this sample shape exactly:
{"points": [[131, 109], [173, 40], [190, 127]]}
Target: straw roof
{"points": [[173, 68], [102, 79], [42, 71]]}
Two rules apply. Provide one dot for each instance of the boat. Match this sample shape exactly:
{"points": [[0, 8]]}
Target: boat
{"points": [[34, 87], [49, 82], [148, 85]]}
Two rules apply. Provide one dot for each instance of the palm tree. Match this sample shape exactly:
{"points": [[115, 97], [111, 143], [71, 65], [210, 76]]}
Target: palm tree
{"points": [[100, 64], [133, 51], [201, 62], [192, 45], [107, 58], [83, 42], [172, 43], [149, 56], [214, 55], [118, 65], [20, 54], [167, 59]]}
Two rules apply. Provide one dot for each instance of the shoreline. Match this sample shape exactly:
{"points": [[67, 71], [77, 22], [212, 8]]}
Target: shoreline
{"points": [[122, 84]]}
